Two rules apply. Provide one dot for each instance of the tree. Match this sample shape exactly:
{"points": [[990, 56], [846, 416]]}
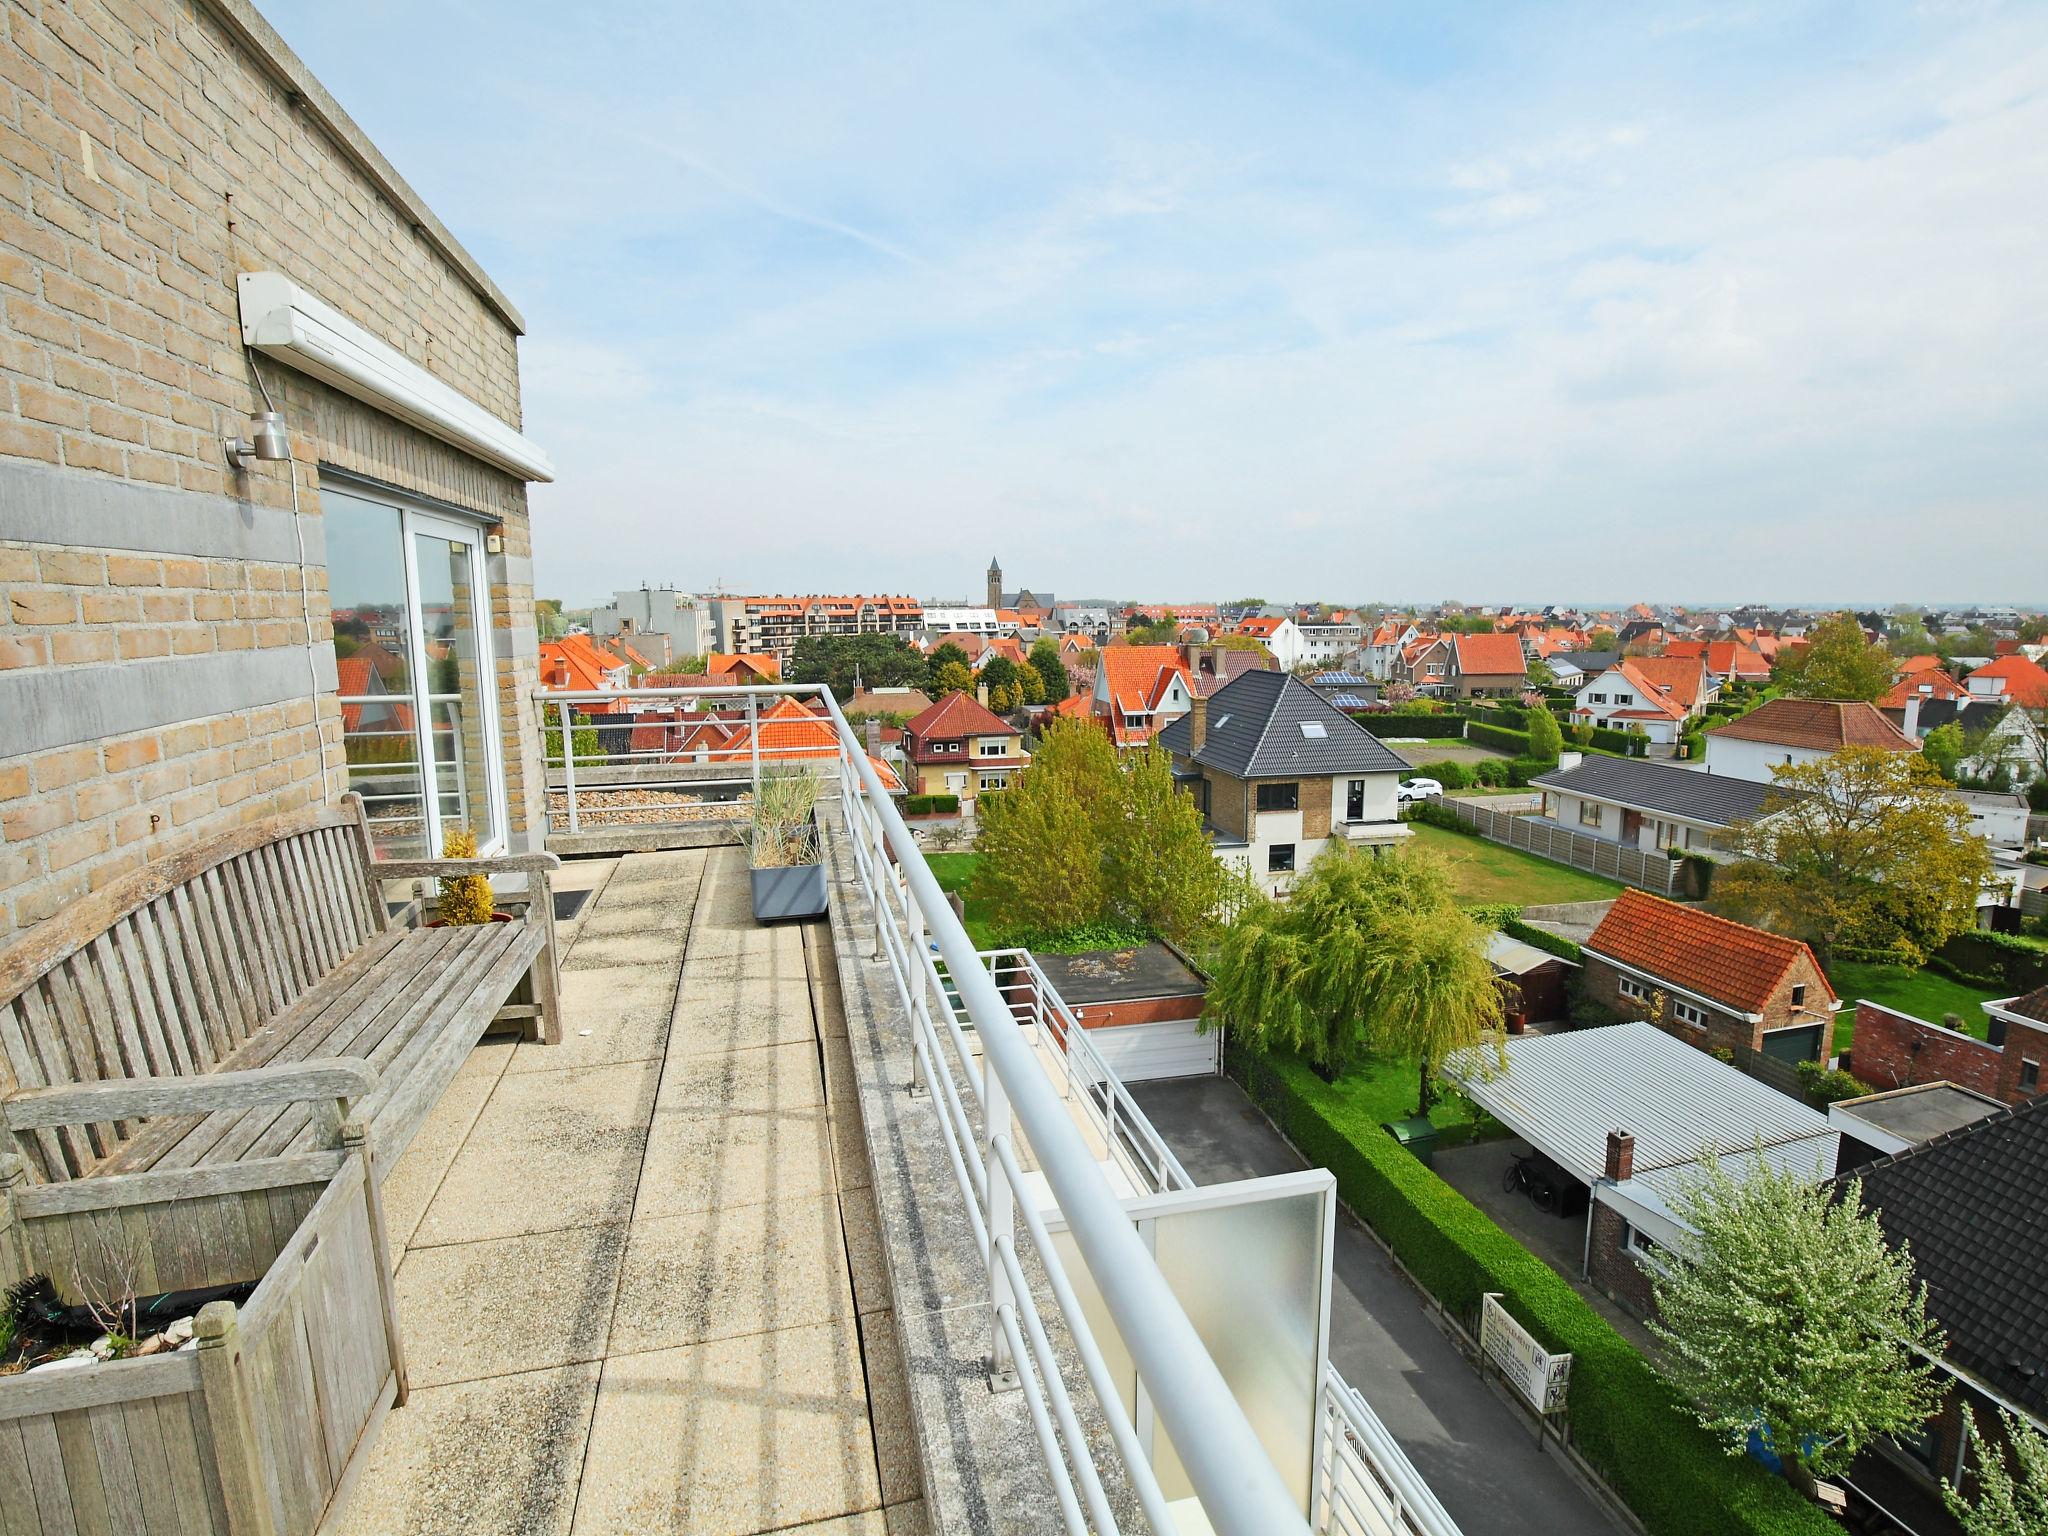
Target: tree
{"points": [[2009, 1502], [1052, 672], [1083, 840], [1004, 694], [1784, 1311], [1838, 662], [1865, 850], [953, 677], [1153, 632], [1030, 685], [1367, 955], [946, 655], [879, 661], [1546, 739], [1944, 747]]}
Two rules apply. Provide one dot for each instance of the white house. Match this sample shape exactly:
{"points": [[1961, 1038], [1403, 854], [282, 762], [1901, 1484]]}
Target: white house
{"points": [[962, 621], [1327, 644], [1783, 731], [1656, 693]]}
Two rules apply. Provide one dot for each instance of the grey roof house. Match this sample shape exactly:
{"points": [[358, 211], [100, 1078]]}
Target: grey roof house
{"points": [[1650, 806]]}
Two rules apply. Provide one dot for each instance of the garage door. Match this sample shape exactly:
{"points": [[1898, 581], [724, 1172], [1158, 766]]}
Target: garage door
{"points": [[1144, 1053]]}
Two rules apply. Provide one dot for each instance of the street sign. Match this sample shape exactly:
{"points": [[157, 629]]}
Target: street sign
{"points": [[1539, 1376]]}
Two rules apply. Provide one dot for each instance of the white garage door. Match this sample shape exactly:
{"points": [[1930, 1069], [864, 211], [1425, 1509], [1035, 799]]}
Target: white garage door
{"points": [[1143, 1053]]}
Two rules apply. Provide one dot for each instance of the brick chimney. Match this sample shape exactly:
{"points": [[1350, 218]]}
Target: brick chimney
{"points": [[981, 694], [874, 733], [1198, 723], [560, 676], [1621, 1157]]}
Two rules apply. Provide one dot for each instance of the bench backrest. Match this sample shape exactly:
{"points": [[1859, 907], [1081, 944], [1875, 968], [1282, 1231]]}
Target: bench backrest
{"points": [[167, 970]]}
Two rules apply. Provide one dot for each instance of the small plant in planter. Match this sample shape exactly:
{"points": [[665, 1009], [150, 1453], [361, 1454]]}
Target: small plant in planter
{"points": [[788, 872], [466, 900]]}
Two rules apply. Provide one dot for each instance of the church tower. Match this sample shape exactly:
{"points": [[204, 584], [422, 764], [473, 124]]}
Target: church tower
{"points": [[995, 583]]}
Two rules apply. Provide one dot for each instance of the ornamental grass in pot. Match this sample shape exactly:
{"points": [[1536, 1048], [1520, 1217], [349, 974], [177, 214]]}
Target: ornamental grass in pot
{"points": [[787, 869]]}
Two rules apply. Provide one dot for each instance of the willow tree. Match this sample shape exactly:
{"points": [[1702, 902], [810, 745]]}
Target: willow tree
{"points": [[1367, 956]]}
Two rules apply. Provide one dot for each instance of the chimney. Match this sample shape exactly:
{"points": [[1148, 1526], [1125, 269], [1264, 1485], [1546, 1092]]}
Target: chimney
{"points": [[1198, 723], [981, 694], [1216, 655], [1621, 1157], [1912, 722], [874, 725]]}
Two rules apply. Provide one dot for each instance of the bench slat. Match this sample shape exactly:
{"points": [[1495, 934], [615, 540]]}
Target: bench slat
{"points": [[81, 1147], [43, 1147], [160, 1038], [223, 946], [259, 941]]}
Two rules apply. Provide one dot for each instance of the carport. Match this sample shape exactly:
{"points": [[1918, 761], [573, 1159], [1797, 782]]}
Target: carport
{"points": [[1629, 1112]]}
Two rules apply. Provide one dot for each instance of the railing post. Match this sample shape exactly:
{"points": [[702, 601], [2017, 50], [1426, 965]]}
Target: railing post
{"points": [[568, 761], [754, 741], [1002, 1225], [918, 941]]}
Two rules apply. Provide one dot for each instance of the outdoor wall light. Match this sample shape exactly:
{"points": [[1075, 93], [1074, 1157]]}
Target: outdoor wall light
{"points": [[267, 440]]}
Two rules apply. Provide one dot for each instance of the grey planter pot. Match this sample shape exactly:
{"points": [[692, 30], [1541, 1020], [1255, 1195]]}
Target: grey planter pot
{"points": [[794, 891]]}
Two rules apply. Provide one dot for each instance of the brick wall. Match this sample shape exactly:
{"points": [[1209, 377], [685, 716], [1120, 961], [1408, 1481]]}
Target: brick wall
{"points": [[1149, 1010], [1896, 1050], [1612, 1267], [148, 154], [1315, 809], [1725, 1029]]}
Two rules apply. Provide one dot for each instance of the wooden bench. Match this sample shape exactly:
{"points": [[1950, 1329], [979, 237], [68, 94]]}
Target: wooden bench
{"points": [[225, 1011]]}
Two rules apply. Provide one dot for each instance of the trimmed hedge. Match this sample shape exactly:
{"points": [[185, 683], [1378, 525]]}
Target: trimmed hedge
{"points": [[1626, 1420], [1509, 717], [1430, 727], [1523, 769], [1997, 959], [1499, 737], [1508, 919], [930, 805], [1434, 814], [1621, 743]]}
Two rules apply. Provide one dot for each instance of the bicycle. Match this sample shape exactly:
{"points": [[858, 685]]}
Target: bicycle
{"points": [[1525, 1175]]}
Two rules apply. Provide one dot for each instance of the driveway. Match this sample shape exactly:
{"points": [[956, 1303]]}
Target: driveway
{"points": [[1476, 1452]]}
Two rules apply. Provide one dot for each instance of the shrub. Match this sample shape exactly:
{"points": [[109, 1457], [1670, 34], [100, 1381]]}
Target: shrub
{"points": [[1500, 738], [1999, 957], [466, 900], [1523, 769], [2037, 794], [1825, 1085], [1626, 1420], [1493, 773], [1396, 723], [930, 805], [1430, 813], [1452, 775]]}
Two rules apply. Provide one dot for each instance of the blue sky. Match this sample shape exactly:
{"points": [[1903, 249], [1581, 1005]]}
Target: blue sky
{"points": [[1354, 301]]}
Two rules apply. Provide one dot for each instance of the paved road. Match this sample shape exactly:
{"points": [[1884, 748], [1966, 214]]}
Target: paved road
{"points": [[1476, 1452]]}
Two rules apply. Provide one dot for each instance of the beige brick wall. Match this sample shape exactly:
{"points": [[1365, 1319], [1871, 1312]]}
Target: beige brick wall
{"points": [[145, 160]]}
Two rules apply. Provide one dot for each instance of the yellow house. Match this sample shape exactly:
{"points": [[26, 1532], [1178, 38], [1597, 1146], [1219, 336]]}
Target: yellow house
{"points": [[957, 747]]}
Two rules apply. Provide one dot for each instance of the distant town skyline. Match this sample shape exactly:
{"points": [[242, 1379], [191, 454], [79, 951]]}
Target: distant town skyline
{"points": [[1419, 299]]}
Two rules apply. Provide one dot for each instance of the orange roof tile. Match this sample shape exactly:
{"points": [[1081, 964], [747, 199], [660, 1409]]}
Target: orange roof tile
{"points": [[1922, 686], [766, 667], [1824, 725], [1734, 964], [1494, 655], [2026, 682], [956, 715]]}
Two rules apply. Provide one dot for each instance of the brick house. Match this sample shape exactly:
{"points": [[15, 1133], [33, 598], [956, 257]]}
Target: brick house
{"points": [[958, 747], [193, 232], [1490, 666], [1896, 1050], [1722, 984]]}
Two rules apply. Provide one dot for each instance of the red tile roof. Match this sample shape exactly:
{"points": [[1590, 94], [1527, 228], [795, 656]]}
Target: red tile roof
{"points": [[1922, 685], [579, 663], [1732, 963], [1676, 680], [1490, 655], [1919, 664], [741, 663], [2026, 682], [957, 715], [1138, 676], [1825, 725]]}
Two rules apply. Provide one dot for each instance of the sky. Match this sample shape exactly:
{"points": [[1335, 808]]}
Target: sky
{"points": [[1354, 302]]}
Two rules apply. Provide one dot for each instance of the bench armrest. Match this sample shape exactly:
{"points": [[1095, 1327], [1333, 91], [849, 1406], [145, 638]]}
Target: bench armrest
{"points": [[140, 1098], [435, 869]]}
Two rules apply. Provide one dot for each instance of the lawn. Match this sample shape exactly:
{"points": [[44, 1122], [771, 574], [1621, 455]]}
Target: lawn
{"points": [[1489, 873], [1924, 994], [954, 872], [1385, 1088]]}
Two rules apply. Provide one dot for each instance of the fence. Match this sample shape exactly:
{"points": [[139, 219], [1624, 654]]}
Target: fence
{"points": [[1596, 855]]}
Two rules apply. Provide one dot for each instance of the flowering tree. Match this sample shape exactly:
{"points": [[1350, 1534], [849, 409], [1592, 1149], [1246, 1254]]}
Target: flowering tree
{"points": [[2009, 1502], [1785, 1312], [1398, 692]]}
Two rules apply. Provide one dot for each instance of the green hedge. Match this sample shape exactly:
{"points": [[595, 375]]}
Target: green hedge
{"points": [[1499, 737], [1430, 727], [1510, 717], [1507, 917], [930, 805], [1523, 769], [1436, 814], [1995, 959], [1619, 742], [1626, 1420]]}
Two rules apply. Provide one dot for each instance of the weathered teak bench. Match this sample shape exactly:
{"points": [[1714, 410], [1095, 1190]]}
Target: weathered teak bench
{"points": [[198, 1024]]}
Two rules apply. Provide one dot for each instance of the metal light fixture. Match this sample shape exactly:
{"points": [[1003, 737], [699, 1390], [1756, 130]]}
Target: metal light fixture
{"points": [[267, 440]]}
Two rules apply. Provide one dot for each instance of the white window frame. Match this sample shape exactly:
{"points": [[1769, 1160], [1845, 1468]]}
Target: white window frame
{"points": [[412, 520]]}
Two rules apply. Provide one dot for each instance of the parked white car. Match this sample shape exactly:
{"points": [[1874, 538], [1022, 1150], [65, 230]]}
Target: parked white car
{"points": [[1418, 789]]}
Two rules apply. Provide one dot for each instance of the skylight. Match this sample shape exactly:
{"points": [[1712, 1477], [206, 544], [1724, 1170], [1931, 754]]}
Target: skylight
{"points": [[1222, 721], [1313, 729]]}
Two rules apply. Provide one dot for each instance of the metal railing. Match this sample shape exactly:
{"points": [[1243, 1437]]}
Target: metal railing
{"points": [[982, 1100], [1365, 1484]]}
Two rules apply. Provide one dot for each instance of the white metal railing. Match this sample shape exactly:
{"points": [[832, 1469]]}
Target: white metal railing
{"points": [[916, 933], [1365, 1484]]}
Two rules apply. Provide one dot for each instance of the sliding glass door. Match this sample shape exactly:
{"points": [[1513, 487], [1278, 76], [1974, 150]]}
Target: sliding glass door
{"points": [[412, 638]]}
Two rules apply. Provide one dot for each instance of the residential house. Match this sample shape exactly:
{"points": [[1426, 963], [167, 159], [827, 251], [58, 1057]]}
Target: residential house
{"points": [[1092, 620], [1924, 687], [1426, 664], [1572, 668], [2004, 737], [1726, 661], [957, 747], [1279, 636], [742, 668], [940, 621], [1138, 689], [1488, 666], [1651, 806], [1628, 1113], [775, 624], [1657, 694], [579, 663], [1721, 984], [1963, 1205], [906, 702], [1211, 666], [1782, 731], [1383, 650], [2011, 680], [1280, 773], [1335, 643]]}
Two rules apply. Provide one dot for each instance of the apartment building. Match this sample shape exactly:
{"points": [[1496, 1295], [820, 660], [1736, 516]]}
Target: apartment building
{"points": [[773, 625], [259, 413], [678, 618]]}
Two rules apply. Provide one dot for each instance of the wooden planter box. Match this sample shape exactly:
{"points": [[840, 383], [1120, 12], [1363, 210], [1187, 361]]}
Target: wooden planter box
{"points": [[258, 1431]]}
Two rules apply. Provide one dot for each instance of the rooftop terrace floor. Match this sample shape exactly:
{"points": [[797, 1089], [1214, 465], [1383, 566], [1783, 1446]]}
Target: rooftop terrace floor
{"points": [[640, 1283]]}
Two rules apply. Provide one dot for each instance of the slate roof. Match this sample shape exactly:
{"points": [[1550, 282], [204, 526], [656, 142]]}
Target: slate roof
{"points": [[1588, 662], [1826, 725], [1255, 732], [1968, 1206], [1712, 799], [1732, 963], [1970, 714]]}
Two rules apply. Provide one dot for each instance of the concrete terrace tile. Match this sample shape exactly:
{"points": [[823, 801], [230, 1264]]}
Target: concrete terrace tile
{"points": [[774, 1077], [409, 1184], [731, 1272], [502, 1456], [906, 1519], [550, 1150], [728, 1014], [702, 1163], [625, 1010], [487, 1060], [731, 1438], [842, 1085], [640, 944], [889, 1417], [509, 1304], [850, 1165], [862, 1231], [751, 964], [873, 1522]]}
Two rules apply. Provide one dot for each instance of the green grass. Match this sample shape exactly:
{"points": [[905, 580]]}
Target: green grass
{"points": [[1924, 994], [954, 872], [1492, 873], [1385, 1089]]}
